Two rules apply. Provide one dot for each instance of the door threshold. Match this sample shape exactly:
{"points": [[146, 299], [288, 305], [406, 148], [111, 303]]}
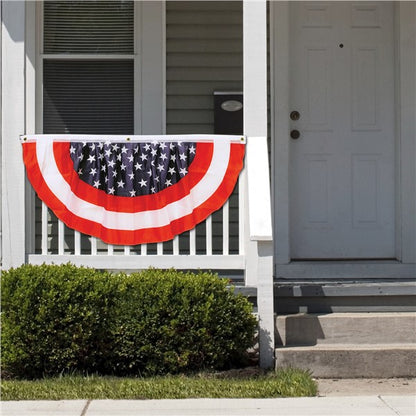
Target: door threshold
{"points": [[349, 260], [345, 269]]}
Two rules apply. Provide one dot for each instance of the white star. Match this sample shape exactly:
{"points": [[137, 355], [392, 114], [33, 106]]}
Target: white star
{"points": [[123, 166], [182, 156], [160, 168], [153, 152], [149, 172], [124, 149], [154, 142], [100, 145], [131, 158], [92, 147], [111, 191], [173, 158], [157, 178], [133, 193], [111, 163], [120, 184], [114, 173], [147, 146], [108, 152], [143, 183], [137, 166], [162, 145], [103, 168], [72, 150], [152, 162], [97, 184], [91, 158], [172, 171], [93, 171], [115, 147], [107, 143], [179, 143], [106, 179], [171, 146], [101, 156], [81, 157], [192, 149], [136, 149], [131, 176], [79, 171], [168, 182], [153, 189], [119, 157], [183, 171], [163, 156], [143, 156]]}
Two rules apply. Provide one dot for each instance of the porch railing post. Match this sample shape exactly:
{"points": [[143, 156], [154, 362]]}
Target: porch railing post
{"points": [[259, 246]]}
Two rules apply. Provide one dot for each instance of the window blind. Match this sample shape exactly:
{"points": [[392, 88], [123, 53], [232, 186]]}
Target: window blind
{"points": [[88, 96], [88, 27]]}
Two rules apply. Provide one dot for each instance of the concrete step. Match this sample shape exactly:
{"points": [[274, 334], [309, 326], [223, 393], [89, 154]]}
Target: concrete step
{"points": [[346, 328], [351, 360]]}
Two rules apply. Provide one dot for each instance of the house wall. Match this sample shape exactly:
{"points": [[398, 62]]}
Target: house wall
{"points": [[204, 53]]}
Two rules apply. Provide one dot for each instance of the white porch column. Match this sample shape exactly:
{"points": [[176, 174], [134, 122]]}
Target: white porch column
{"points": [[13, 125], [259, 248]]}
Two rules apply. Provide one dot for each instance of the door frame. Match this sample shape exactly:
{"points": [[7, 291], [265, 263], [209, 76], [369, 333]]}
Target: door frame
{"points": [[405, 151]]}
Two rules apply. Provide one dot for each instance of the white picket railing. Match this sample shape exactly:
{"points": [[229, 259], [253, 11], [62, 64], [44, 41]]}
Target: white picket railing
{"points": [[216, 244]]}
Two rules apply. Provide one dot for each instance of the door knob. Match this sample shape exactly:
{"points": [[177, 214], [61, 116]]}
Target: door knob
{"points": [[294, 115], [294, 134]]}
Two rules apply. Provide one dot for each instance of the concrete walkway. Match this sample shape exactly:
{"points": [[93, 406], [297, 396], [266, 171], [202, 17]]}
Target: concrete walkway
{"points": [[321, 406]]}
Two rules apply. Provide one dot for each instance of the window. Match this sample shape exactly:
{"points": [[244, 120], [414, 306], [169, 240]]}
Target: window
{"points": [[89, 67]]}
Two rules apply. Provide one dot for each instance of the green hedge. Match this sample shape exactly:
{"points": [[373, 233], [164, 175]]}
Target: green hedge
{"points": [[58, 319]]}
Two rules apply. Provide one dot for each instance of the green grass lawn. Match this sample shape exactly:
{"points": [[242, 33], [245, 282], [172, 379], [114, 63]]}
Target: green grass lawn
{"points": [[284, 383]]}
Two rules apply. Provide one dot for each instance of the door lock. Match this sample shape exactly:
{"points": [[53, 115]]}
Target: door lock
{"points": [[295, 134], [294, 115]]}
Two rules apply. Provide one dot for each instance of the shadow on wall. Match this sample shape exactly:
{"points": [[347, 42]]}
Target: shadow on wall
{"points": [[11, 12]]}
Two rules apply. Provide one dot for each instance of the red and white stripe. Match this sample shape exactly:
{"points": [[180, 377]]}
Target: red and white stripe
{"points": [[121, 220]]}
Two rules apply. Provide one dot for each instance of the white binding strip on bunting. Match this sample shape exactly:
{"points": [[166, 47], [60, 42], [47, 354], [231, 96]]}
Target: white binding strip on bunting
{"points": [[207, 138]]}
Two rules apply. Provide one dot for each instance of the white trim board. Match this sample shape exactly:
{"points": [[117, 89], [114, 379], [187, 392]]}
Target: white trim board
{"points": [[135, 262]]}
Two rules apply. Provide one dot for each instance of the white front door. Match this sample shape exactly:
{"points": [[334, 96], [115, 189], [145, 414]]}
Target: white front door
{"points": [[342, 171]]}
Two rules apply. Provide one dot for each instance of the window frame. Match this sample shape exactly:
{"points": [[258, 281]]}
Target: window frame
{"points": [[149, 65]]}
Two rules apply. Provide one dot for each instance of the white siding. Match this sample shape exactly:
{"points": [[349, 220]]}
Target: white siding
{"points": [[204, 53]]}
